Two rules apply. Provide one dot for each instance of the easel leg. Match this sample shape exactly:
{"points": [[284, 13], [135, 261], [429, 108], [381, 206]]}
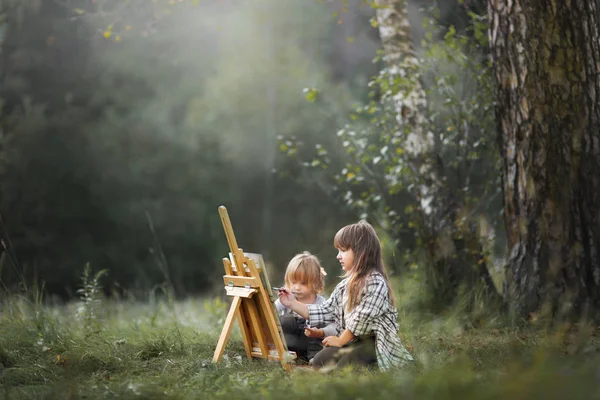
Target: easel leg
{"points": [[272, 327], [258, 328], [245, 334], [233, 310], [241, 315]]}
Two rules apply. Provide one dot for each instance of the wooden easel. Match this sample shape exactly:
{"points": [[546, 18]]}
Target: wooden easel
{"points": [[247, 282]]}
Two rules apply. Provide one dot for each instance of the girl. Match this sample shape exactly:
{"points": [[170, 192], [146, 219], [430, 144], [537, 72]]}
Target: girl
{"points": [[304, 277], [361, 305]]}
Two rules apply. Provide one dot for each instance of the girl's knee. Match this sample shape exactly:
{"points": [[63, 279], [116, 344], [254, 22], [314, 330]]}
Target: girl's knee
{"points": [[318, 360], [324, 358]]}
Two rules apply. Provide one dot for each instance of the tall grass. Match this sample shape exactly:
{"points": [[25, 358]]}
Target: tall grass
{"points": [[162, 349]]}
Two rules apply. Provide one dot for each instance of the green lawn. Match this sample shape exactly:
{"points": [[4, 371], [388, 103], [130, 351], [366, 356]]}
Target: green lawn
{"points": [[119, 349]]}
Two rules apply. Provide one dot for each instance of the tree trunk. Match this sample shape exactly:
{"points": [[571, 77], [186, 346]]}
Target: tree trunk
{"points": [[454, 255], [411, 107], [546, 58]]}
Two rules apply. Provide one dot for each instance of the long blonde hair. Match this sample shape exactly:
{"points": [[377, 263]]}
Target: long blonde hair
{"points": [[364, 242]]}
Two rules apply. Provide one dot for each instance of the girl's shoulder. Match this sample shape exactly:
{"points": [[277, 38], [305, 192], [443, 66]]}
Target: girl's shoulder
{"points": [[375, 281], [343, 283], [375, 278], [340, 287]]}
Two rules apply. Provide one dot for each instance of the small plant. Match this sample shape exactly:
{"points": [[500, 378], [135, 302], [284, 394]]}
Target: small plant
{"points": [[91, 296]]}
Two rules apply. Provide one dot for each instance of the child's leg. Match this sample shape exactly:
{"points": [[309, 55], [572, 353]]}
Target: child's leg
{"points": [[327, 357], [294, 335], [361, 352], [314, 345]]}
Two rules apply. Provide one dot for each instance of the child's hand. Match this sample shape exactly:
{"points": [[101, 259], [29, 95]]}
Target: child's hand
{"points": [[286, 297], [314, 332], [332, 341]]}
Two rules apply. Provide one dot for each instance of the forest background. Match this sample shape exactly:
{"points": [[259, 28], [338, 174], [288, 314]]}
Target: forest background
{"points": [[125, 124], [115, 145]]}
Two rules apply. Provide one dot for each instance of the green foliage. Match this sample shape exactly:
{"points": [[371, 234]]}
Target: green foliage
{"points": [[379, 176]]}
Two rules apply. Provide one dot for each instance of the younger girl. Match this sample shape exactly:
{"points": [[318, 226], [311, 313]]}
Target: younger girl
{"points": [[361, 305], [304, 278]]}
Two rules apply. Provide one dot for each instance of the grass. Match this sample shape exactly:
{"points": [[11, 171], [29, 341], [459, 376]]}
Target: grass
{"points": [[163, 350]]}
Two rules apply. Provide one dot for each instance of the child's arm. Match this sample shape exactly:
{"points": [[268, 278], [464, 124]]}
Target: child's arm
{"points": [[339, 341], [327, 330], [330, 330], [317, 314], [288, 300], [314, 332]]}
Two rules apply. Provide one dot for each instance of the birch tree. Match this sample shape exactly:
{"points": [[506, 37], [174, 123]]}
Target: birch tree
{"points": [[452, 250]]}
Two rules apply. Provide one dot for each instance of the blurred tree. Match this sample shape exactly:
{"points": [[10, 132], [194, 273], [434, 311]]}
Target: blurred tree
{"points": [[44, 159], [452, 248], [546, 59], [104, 136]]}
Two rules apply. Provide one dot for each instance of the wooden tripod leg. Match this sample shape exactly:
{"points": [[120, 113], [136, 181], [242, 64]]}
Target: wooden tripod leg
{"points": [[233, 311], [245, 333], [257, 327], [241, 315], [272, 327], [264, 303]]}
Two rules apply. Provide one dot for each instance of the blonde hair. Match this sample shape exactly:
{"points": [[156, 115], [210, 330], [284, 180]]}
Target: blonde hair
{"points": [[305, 268], [364, 242]]}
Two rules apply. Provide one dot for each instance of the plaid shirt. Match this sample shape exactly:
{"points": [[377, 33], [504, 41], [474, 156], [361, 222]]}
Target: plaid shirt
{"points": [[374, 314]]}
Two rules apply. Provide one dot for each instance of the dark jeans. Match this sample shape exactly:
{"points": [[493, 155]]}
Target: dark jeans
{"points": [[359, 352], [293, 330]]}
